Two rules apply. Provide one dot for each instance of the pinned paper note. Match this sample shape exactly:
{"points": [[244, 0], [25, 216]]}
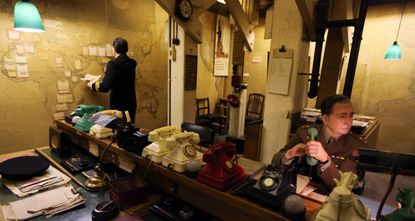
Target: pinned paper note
{"points": [[20, 49], [59, 62], [85, 50], [63, 87], [74, 79], [92, 51], [20, 59], [78, 64], [9, 64], [67, 73], [61, 107], [101, 51], [29, 48], [108, 49], [64, 98], [12, 73], [13, 35], [59, 116], [22, 70]]}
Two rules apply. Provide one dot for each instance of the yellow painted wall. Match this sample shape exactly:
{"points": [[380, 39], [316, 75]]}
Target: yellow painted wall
{"points": [[386, 89], [28, 104]]}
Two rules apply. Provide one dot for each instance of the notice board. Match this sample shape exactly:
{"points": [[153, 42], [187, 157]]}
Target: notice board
{"points": [[279, 71]]}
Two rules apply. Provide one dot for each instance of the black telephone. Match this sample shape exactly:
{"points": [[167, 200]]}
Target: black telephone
{"points": [[273, 186]]}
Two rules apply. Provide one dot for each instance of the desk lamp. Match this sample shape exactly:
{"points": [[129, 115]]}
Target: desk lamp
{"points": [[98, 181]]}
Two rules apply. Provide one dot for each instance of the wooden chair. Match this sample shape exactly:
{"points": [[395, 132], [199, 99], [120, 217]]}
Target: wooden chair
{"points": [[216, 121], [255, 107]]}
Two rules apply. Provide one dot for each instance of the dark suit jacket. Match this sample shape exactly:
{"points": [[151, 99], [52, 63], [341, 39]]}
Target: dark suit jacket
{"points": [[120, 79], [343, 153]]}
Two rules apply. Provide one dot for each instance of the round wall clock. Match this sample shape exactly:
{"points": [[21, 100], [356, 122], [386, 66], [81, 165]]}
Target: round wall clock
{"points": [[183, 9]]}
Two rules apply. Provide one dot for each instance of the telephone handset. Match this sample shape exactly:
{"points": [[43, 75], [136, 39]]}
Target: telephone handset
{"points": [[187, 140], [182, 147], [157, 150], [162, 133], [313, 133]]}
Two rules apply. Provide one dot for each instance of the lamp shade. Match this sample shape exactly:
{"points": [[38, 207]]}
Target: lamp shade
{"points": [[27, 18], [393, 52]]}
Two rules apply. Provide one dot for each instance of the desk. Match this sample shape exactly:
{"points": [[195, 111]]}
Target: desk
{"points": [[80, 213], [220, 204]]}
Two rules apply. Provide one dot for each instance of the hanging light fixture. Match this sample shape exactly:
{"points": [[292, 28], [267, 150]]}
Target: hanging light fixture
{"points": [[394, 51], [27, 17]]}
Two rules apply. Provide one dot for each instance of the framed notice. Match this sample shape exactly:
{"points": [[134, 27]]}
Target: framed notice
{"points": [[222, 45], [279, 71]]}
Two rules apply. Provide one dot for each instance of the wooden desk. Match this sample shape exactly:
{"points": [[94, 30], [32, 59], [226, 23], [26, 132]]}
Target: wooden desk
{"points": [[220, 204]]}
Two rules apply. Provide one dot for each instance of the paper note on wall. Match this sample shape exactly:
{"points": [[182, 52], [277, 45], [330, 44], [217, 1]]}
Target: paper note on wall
{"points": [[61, 107], [59, 116], [85, 50], [101, 51], [20, 59], [67, 73], [9, 64], [108, 49], [29, 48], [63, 87], [279, 72], [74, 79], [12, 73], [78, 64], [92, 51], [13, 35], [59, 62], [22, 70], [64, 98], [20, 49]]}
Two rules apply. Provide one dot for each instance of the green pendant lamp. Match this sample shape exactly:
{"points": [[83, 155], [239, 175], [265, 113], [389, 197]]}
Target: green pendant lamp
{"points": [[394, 51], [27, 17]]}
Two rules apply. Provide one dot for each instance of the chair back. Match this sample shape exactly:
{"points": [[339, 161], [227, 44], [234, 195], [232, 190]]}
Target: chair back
{"points": [[255, 106], [206, 134], [202, 106]]}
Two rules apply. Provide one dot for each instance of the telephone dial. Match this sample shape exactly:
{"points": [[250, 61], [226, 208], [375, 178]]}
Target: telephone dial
{"points": [[273, 186], [183, 149], [158, 149], [220, 172]]}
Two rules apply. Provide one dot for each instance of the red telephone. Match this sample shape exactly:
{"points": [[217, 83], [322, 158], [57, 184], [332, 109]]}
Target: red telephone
{"points": [[220, 171]]}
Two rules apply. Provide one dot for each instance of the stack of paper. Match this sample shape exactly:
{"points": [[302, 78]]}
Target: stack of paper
{"points": [[51, 178], [48, 203]]}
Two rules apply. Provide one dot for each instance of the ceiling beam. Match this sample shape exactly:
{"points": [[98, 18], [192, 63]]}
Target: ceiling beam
{"points": [[241, 20], [193, 26], [306, 8]]}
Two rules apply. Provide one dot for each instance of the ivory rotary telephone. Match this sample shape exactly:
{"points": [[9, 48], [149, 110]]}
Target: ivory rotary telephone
{"points": [[158, 149], [183, 149]]}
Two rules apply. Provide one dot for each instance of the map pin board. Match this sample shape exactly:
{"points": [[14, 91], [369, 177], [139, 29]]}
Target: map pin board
{"points": [[279, 71]]}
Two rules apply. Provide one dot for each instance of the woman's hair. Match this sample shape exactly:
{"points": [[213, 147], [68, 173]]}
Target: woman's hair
{"points": [[329, 102], [120, 45]]}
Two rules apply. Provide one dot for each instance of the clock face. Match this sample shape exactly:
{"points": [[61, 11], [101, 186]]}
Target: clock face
{"points": [[184, 9]]}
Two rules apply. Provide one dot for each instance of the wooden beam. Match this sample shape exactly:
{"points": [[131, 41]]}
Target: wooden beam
{"points": [[306, 8], [193, 27], [241, 20]]}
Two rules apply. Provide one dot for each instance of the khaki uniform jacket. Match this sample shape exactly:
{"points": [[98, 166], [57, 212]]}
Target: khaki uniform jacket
{"points": [[343, 153]]}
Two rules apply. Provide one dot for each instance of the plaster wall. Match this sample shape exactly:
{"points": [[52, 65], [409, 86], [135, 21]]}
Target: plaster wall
{"points": [[29, 104], [386, 88]]}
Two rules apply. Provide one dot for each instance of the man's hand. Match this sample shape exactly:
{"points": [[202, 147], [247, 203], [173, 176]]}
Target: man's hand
{"points": [[92, 81], [316, 150], [297, 151]]}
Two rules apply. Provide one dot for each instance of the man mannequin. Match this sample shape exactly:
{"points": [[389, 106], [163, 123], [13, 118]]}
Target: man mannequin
{"points": [[120, 79]]}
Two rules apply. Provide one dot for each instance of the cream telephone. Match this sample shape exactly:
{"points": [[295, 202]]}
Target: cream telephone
{"points": [[183, 149], [157, 150]]}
